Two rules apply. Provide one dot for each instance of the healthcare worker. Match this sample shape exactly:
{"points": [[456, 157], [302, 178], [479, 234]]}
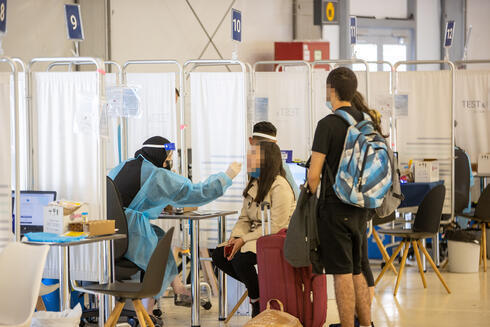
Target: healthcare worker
{"points": [[147, 185]]}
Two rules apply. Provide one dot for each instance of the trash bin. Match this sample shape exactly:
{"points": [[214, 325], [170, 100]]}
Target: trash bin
{"points": [[68, 318], [463, 251]]}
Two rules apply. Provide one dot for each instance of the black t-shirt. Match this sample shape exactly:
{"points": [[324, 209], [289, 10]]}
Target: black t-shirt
{"points": [[330, 136]]}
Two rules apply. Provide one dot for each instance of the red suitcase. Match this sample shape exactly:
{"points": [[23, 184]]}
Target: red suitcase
{"points": [[303, 294]]}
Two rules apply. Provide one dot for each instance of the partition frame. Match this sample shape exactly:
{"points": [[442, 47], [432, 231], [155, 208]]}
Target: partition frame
{"points": [[452, 69], [13, 67], [284, 63], [182, 127], [188, 67], [107, 265]]}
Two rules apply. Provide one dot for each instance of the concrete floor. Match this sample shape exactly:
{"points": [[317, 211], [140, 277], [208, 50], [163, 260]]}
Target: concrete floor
{"points": [[468, 305]]}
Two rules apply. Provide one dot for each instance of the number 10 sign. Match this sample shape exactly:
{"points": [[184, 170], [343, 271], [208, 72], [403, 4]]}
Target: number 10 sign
{"points": [[74, 22], [236, 25]]}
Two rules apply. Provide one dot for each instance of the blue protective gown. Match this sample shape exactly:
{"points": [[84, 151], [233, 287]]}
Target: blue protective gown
{"points": [[159, 188]]}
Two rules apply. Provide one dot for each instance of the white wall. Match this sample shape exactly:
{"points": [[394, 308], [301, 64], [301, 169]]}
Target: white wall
{"points": [[168, 29], [428, 32], [379, 8], [479, 45], [36, 29]]}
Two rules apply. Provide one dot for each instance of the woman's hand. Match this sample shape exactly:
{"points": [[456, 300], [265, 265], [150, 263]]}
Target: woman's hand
{"points": [[237, 245]]}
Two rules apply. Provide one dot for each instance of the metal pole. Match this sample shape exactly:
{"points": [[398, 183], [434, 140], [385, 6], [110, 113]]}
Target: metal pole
{"points": [[64, 272], [195, 280], [13, 68], [221, 275]]}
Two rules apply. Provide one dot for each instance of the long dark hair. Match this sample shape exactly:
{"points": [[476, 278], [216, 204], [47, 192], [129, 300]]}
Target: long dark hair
{"points": [[361, 105], [270, 167]]}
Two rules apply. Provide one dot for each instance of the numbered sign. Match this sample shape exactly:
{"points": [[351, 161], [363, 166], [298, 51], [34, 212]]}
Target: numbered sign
{"points": [[448, 38], [3, 16], [236, 25], [329, 12], [74, 22], [353, 29]]}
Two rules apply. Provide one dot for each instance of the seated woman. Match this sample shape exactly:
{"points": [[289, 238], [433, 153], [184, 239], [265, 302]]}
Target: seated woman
{"points": [[147, 186], [267, 183]]}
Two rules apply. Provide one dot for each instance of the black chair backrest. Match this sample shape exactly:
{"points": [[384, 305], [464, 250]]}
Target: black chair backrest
{"points": [[152, 282], [115, 212], [428, 218], [462, 180], [482, 209]]}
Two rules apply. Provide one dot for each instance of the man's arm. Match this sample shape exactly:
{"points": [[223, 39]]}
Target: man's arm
{"points": [[315, 171]]}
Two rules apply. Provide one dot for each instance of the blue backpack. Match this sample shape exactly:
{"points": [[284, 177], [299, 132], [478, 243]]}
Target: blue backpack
{"points": [[364, 176]]}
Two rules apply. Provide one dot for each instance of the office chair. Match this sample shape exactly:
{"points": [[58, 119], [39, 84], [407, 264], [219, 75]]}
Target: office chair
{"points": [[426, 224], [20, 282], [481, 215], [136, 291]]}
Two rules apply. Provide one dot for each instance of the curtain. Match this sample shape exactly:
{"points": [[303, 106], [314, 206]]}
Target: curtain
{"points": [[424, 124], [66, 161], [219, 136], [5, 164], [282, 99]]}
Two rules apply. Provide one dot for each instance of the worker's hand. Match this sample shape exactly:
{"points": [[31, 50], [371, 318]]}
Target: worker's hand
{"points": [[237, 245], [234, 169]]}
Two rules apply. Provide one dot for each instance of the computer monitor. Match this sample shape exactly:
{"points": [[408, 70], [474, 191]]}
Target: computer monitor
{"points": [[298, 172], [32, 205]]}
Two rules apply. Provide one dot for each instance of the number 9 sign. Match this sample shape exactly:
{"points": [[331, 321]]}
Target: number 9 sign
{"points": [[73, 22], [3, 16]]}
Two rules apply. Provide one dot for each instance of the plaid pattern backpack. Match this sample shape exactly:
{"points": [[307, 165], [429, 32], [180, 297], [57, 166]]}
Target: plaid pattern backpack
{"points": [[364, 175]]}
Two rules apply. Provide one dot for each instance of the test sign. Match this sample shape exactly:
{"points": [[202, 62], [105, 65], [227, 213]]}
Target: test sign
{"points": [[74, 22], [236, 25], [448, 37], [3, 16]]}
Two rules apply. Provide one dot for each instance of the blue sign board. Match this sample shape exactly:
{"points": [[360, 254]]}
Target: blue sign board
{"points": [[3, 16], [74, 22], [236, 25], [448, 37], [287, 155], [353, 29]]}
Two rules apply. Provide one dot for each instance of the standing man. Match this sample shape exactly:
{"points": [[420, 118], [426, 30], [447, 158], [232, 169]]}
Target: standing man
{"points": [[265, 131], [341, 227]]}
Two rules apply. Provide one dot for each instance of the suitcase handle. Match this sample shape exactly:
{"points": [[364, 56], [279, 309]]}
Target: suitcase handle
{"points": [[281, 306], [265, 205]]}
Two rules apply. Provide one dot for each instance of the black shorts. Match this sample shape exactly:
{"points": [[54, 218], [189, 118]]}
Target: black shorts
{"points": [[342, 230]]}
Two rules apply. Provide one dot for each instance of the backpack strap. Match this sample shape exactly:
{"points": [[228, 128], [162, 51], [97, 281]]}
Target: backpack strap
{"points": [[346, 117]]}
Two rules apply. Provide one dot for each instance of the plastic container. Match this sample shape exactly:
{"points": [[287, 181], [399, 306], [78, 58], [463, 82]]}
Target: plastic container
{"points": [[463, 256]]}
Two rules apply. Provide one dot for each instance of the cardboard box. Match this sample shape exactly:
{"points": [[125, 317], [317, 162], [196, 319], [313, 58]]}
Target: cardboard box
{"points": [[484, 164], [99, 227], [426, 171], [57, 216]]}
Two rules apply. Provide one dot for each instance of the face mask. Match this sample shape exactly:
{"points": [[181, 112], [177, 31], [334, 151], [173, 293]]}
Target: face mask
{"points": [[255, 173], [169, 164], [329, 105]]}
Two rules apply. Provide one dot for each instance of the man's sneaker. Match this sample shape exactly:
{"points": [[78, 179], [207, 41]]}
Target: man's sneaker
{"points": [[184, 300]]}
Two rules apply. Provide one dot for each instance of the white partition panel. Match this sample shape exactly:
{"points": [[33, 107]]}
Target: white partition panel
{"points": [[66, 161], [320, 108], [424, 124], [219, 137], [282, 99], [5, 164], [472, 112]]}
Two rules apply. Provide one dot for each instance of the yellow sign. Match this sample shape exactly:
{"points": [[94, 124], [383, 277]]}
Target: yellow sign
{"points": [[330, 11]]}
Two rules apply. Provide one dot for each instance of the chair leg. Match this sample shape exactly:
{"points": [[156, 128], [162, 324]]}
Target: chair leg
{"points": [[382, 249], [438, 273], [390, 262], [237, 305], [114, 317], [139, 313], [402, 266], [484, 245], [40, 304], [146, 316], [419, 262]]}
